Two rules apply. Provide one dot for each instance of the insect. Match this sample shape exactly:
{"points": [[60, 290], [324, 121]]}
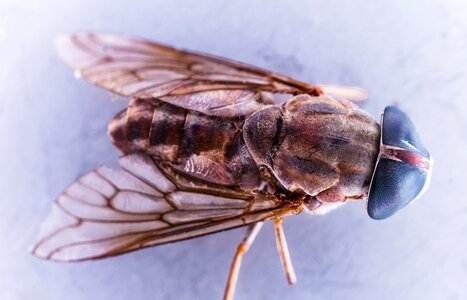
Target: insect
{"points": [[205, 149]]}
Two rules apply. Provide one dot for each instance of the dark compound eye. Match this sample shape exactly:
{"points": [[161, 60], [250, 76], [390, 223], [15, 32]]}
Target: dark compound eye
{"points": [[398, 130], [403, 168], [395, 184]]}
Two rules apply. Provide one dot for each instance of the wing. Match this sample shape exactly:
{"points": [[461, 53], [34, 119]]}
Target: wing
{"points": [[135, 67], [108, 212], [138, 68]]}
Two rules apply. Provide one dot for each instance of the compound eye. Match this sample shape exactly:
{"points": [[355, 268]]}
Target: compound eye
{"points": [[403, 167], [395, 184], [398, 130]]}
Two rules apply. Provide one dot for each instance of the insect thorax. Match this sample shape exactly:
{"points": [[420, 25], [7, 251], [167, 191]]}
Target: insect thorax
{"points": [[317, 145]]}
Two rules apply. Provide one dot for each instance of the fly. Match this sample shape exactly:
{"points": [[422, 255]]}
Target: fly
{"points": [[205, 149]]}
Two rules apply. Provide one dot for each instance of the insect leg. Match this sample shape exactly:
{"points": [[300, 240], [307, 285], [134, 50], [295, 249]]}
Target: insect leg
{"points": [[284, 252], [251, 233]]}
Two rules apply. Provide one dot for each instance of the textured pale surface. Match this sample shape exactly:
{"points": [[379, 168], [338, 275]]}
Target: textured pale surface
{"points": [[52, 130]]}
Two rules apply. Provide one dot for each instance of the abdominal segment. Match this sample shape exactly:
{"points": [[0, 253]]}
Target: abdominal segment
{"points": [[203, 147]]}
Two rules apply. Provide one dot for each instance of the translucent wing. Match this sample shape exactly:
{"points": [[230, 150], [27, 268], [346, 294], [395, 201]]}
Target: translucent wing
{"points": [[109, 212], [135, 67]]}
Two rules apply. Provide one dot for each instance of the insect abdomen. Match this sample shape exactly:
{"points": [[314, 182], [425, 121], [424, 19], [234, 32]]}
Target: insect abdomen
{"points": [[208, 148]]}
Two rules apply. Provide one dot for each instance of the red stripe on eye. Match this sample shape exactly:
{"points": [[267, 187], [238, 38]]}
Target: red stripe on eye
{"points": [[408, 157]]}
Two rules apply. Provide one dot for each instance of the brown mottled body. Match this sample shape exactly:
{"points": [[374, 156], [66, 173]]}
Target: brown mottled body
{"points": [[310, 146], [316, 145], [209, 149]]}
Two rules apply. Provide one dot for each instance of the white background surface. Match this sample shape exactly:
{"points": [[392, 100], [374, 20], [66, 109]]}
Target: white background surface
{"points": [[53, 128]]}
